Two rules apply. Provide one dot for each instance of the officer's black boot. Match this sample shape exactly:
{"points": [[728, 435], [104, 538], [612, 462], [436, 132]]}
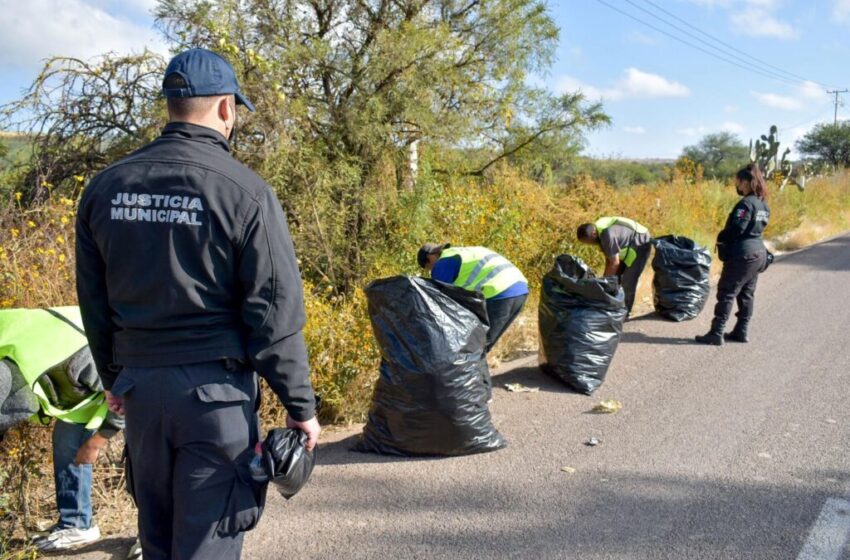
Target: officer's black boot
{"points": [[738, 334], [713, 337]]}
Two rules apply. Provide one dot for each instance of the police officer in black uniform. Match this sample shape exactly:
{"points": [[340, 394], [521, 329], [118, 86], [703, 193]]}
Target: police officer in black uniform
{"points": [[188, 285], [744, 256]]}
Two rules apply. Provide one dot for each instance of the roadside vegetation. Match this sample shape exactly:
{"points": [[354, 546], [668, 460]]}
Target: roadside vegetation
{"points": [[418, 126]]}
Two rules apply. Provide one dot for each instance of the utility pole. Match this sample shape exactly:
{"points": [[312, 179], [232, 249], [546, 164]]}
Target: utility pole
{"points": [[837, 92]]}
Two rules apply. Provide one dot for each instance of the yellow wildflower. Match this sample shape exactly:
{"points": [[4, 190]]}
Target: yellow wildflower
{"points": [[18, 196], [31, 223]]}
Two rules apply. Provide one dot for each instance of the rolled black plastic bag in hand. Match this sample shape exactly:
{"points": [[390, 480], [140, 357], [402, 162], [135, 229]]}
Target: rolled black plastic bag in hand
{"points": [[288, 464], [431, 396], [580, 319], [681, 283]]}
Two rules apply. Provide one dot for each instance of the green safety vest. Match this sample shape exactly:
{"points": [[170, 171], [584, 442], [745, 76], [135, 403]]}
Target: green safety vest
{"points": [[37, 340], [628, 254], [483, 270]]}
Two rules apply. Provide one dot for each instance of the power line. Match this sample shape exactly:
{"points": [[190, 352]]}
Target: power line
{"points": [[813, 118], [837, 92], [727, 47], [759, 71]]}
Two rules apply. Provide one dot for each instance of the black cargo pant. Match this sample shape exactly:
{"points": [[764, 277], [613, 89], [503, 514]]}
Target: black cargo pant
{"points": [[501, 313], [190, 435], [737, 282], [631, 275]]}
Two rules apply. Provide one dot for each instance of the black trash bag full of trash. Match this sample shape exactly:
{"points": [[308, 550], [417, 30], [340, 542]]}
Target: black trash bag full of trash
{"points": [[431, 397], [681, 283], [580, 319]]}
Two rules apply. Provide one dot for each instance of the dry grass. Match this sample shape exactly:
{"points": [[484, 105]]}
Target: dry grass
{"points": [[807, 234]]}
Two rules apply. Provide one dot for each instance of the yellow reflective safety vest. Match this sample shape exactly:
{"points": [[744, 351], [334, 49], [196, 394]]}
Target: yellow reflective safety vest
{"points": [[483, 270], [627, 254], [40, 339]]}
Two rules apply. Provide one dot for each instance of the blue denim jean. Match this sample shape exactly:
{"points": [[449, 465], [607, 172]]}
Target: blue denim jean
{"points": [[73, 483]]}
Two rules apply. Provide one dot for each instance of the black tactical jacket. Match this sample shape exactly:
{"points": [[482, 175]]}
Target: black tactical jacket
{"points": [[744, 228], [184, 256]]}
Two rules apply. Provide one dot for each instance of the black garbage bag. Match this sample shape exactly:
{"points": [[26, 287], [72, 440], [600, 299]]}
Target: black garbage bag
{"points": [[288, 464], [580, 319], [681, 283], [431, 397]]}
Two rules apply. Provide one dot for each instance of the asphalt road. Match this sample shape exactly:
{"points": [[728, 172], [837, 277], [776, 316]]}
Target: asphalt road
{"points": [[740, 452]]}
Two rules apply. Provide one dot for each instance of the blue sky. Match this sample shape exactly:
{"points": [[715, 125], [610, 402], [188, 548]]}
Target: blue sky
{"points": [[661, 94]]}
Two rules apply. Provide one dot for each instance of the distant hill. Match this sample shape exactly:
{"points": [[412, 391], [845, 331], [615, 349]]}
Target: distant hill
{"points": [[16, 146]]}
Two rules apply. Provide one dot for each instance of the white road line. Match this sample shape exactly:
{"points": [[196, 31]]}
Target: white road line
{"points": [[830, 532]]}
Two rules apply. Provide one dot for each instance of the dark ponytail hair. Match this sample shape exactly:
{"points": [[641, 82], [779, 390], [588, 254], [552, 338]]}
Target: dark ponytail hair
{"points": [[753, 174]]}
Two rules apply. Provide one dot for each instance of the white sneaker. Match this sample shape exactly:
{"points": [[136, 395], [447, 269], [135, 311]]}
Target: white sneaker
{"points": [[135, 551], [69, 537]]}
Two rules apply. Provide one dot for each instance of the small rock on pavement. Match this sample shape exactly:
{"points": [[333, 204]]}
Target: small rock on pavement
{"points": [[831, 421], [568, 470], [592, 442], [764, 455]]}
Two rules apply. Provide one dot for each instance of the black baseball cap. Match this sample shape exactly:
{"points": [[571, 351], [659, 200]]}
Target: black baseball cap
{"points": [[429, 249], [206, 73]]}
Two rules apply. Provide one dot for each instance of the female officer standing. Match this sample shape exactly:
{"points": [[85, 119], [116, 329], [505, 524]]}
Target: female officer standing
{"points": [[742, 251]]}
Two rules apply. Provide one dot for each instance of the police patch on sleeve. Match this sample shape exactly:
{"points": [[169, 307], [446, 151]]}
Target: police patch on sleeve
{"points": [[157, 208], [741, 213]]}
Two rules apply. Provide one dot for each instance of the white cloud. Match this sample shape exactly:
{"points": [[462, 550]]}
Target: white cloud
{"points": [[841, 11], [634, 129], [693, 131], [775, 101], [644, 84], [702, 130], [757, 21], [712, 3], [756, 18], [33, 30], [789, 136], [733, 127], [635, 84], [764, 4], [810, 90], [569, 83]]}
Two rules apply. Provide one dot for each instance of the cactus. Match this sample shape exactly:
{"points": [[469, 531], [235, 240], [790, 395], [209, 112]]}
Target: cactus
{"points": [[765, 152]]}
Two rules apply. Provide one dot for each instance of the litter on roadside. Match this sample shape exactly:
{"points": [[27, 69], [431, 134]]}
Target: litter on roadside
{"points": [[592, 442], [520, 388], [607, 407], [569, 470]]}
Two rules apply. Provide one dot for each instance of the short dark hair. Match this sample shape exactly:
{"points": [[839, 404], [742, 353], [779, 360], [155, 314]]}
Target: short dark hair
{"points": [[585, 232], [183, 107]]}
